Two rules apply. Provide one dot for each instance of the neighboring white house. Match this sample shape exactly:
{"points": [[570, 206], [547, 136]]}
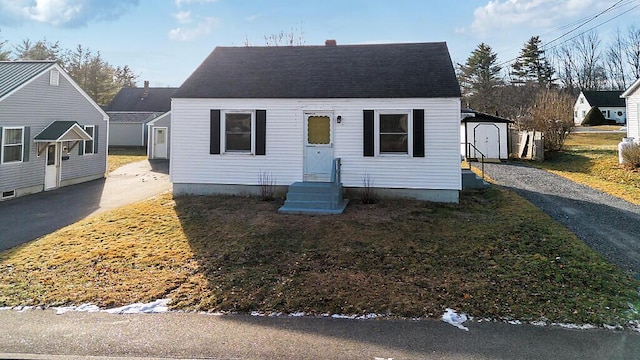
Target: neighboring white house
{"points": [[159, 133], [632, 99], [52, 133], [484, 134], [132, 109], [390, 112], [609, 103]]}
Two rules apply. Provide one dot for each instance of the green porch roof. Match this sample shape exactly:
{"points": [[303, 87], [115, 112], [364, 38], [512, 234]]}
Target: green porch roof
{"points": [[62, 131]]}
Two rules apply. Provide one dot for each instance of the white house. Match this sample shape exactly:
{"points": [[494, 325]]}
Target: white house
{"points": [[632, 99], [390, 113], [609, 103]]}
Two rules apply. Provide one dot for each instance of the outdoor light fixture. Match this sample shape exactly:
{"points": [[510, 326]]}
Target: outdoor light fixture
{"points": [[339, 119]]}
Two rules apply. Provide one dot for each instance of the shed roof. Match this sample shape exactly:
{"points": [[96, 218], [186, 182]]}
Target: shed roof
{"points": [[15, 73], [62, 131], [153, 99], [132, 116], [478, 116], [604, 98], [412, 70]]}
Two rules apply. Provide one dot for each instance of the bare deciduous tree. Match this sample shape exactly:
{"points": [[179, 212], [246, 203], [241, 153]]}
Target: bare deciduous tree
{"points": [[551, 113], [632, 45], [615, 61]]}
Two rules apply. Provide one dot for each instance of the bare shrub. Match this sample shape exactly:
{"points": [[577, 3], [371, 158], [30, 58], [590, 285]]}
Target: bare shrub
{"points": [[631, 156], [267, 186], [368, 192], [552, 114]]}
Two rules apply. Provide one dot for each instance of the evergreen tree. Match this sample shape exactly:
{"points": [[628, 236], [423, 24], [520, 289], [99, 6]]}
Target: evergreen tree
{"points": [[479, 76], [532, 65], [41, 50]]}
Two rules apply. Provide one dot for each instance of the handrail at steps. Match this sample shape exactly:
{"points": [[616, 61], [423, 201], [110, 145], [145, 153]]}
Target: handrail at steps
{"points": [[335, 171], [469, 146]]}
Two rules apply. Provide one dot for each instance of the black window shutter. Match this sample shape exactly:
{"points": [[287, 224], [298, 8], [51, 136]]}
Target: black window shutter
{"points": [[26, 143], [418, 133], [214, 132], [368, 134], [95, 139], [261, 132]]}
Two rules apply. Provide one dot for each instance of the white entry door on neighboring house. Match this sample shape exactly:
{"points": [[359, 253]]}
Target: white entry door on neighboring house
{"points": [[487, 140], [52, 167], [318, 141], [160, 143]]}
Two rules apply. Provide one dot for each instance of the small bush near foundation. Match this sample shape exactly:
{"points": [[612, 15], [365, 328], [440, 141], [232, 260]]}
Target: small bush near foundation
{"points": [[631, 156], [368, 192], [267, 186]]}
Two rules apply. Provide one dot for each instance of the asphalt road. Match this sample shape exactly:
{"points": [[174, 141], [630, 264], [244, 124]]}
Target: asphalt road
{"points": [[609, 225], [26, 335], [30, 217]]}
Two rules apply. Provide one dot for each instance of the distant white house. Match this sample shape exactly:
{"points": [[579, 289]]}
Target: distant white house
{"points": [[632, 99], [609, 103]]}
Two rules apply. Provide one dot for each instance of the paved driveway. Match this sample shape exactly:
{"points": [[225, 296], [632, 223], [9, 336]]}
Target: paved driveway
{"points": [[30, 217], [609, 225]]}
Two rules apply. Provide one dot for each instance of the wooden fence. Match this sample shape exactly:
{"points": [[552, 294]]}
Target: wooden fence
{"points": [[526, 145]]}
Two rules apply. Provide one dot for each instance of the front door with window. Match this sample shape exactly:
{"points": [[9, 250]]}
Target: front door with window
{"points": [[318, 152], [160, 143], [52, 167]]}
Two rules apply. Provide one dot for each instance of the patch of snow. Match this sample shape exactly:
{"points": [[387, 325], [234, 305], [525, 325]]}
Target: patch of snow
{"points": [[634, 325], [275, 314], [81, 308], [455, 319], [515, 322], [158, 306], [612, 327], [256, 313], [538, 323], [340, 316], [6, 308], [369, 316], [24, 308], [297, 314], [575, 326]]}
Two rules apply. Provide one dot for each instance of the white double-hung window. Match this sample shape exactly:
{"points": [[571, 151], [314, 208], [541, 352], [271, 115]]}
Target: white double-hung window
{"points": [[394, 132], [12, 144], [238, 130]]}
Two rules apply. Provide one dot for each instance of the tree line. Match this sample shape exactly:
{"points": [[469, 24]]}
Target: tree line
{"points": [[540, 75], [96, 76]]}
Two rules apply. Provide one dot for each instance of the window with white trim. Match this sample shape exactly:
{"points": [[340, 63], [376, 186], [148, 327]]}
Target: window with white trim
{"points": [[12, 144], [394, 132], [88, 144], [238, 132]]}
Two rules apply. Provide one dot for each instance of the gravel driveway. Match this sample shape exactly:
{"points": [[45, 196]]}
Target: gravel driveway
{"points": [[609, 225]]}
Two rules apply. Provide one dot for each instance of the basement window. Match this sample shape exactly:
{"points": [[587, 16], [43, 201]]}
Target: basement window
{"points": [[8, 194]]}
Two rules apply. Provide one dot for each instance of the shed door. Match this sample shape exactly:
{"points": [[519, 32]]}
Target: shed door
{"points": [[487, 140], [160, 143], [318, 152], [52, 167]]}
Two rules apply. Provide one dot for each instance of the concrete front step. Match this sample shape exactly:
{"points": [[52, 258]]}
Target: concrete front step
{"points": [[314, 198], [471, 181]]}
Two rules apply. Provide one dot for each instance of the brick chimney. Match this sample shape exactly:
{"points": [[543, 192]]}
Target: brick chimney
{"points": [[146, 88], [330, 42]]}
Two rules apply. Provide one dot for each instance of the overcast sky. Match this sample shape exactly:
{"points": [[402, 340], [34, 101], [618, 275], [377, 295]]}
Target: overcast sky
{"points": [[165, 40]]}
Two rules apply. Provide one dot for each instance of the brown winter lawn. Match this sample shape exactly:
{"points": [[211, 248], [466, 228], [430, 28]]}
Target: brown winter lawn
{"points": [[119, 156], [592, 159], [493, 256]]}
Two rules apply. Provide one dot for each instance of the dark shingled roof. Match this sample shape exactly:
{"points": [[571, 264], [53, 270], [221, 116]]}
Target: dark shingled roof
{"points": [[132, 116], [604, 98], [419, 70], [133, 99]]}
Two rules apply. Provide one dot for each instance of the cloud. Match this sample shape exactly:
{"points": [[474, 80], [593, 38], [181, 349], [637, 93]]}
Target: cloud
{"points": [[498, 15], [252, 17], [183, 17], [62, 13], [203, 28], [179, 3]]}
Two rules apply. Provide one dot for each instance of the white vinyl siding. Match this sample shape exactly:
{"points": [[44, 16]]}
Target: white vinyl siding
{"points": [[191, 162]]}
